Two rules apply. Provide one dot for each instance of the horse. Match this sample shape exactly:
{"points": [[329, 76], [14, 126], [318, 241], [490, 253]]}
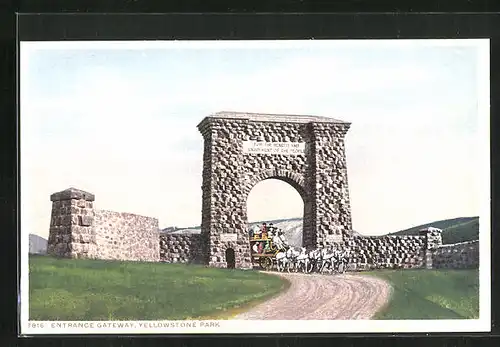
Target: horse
{"points": [[328, 259], [281, 261], [314, 260], [343, 259], [302, 261], [292, 254]]}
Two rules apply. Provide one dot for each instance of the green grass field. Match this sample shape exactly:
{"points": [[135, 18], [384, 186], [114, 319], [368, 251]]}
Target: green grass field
{"points": [[63, 289], [431, 294]]}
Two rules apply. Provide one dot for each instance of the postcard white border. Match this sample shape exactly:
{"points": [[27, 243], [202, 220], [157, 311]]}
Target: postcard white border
{"points": [[483, 324]]}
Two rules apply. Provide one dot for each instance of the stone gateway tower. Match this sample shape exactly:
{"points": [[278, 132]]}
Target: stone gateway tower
{"points": [[242, 149]]}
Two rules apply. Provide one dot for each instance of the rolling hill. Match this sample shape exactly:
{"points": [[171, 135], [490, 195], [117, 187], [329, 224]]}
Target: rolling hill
{"points": [[454, 230], [38, 245]]}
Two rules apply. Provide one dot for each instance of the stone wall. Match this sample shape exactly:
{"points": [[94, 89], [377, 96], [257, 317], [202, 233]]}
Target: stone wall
{"points": [[461, 255], [181, 248], [408, 252], [77, 230], [126, 236], [387, 252]]}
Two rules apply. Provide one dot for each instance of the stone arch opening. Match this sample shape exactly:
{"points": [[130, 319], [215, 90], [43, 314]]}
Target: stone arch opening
{"points": [[242, 149], [230, 258], [277, 201], [287, 176]]}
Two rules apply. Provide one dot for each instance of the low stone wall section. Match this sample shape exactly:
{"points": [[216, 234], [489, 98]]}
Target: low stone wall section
{"points": [[463, 255], [181, 248], [126, 236], [386, 252]]}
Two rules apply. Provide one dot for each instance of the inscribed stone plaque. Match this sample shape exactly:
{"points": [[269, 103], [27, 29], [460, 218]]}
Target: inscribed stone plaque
{"points": [[261, 147], [332, 238], [228, 237]]}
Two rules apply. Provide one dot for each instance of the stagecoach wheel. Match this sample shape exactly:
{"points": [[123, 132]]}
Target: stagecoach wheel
{"points": [[266, 263]]}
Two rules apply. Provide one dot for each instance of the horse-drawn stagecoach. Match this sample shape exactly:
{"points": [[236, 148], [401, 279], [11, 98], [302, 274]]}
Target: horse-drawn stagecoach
{"points": [[265, 245], [265, 259], [269, 250]]}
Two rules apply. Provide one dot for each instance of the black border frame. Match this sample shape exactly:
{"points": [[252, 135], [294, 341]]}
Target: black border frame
{"points": [[239, 26]]}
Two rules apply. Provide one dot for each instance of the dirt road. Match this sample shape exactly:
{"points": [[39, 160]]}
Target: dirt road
{"points": [[324, 297]]}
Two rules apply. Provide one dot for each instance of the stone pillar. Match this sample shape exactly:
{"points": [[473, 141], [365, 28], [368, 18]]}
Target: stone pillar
{"points": [[433, 241], [328, 183], [71, 225], [223, 201]]}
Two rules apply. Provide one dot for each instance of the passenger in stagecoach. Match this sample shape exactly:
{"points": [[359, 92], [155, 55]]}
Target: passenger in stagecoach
{"points": [[254, 231], [257, 232], [264, 235], [255, 248], [260, 247], [267, 247], [271, 229], [263, 230]]}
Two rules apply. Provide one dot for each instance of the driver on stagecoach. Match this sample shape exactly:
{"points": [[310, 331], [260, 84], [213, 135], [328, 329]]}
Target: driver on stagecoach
{"points": [[270, 230], [278, 240], [282, 238]]}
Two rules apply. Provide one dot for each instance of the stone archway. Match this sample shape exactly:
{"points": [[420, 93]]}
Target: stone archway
{"points": [[296, 183], [242, 149]]}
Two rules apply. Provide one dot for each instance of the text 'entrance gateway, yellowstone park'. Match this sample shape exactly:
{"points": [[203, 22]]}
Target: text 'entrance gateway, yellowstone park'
{"points": [[242, 149]]}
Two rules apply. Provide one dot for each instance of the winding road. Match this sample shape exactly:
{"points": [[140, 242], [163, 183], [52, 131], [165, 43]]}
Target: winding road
{"points": [[316, 297]]}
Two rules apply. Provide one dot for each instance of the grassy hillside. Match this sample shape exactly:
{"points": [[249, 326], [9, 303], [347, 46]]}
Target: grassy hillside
{"points": [[65, 289], [431, 294], [274, 221], [454, 230]]}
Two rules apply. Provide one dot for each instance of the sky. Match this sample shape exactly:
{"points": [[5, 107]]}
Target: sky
{"points": [[119, 120]]}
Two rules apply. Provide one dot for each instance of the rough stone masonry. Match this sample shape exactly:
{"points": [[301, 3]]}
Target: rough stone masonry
{"points": [[77, 230], [242, 149]]}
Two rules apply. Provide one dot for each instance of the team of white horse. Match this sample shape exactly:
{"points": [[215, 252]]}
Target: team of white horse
{"points": [[322, 260]]}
